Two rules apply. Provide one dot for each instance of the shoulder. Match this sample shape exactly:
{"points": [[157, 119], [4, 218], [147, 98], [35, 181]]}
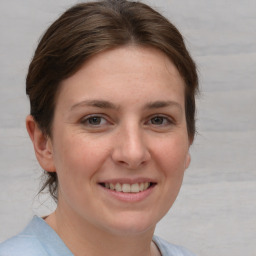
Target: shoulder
{"points": [[22, 245], [37, 239], [168, 249]]}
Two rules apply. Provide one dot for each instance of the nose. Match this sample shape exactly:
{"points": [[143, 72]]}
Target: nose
{"points": [[130, 149]]}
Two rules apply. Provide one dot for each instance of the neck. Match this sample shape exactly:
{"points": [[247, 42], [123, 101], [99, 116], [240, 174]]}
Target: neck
{"points": [[83, 238]]}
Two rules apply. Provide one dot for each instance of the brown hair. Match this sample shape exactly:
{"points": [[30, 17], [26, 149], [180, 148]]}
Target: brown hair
{"points": [[87, 29]]}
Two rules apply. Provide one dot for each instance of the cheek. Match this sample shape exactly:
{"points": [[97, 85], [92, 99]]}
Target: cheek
{"points": [[172, 157], [76, 163], [79, 155]]}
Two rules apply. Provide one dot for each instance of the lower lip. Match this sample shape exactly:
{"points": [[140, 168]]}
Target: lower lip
{"points": [[129, 197]]}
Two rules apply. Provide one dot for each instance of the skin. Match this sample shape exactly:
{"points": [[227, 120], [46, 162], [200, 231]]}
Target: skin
{"points": [[121, 117]]}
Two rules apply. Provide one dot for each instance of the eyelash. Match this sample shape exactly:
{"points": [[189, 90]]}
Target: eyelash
{"points": [[87, 119], [166, 121]]}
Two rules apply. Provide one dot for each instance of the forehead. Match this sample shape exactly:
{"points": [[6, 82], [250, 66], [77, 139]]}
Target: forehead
{"points": [[121, 72], [132, 59]]}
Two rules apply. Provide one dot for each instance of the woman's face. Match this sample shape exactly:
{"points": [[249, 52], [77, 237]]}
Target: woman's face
{"points": [[120, 143]]}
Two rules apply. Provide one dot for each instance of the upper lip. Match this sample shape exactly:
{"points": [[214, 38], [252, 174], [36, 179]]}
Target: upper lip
{"points": [[127, 180]]}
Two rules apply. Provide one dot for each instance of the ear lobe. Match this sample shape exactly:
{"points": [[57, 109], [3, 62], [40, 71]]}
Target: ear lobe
{"points": [[188, 160], [42, 145]]}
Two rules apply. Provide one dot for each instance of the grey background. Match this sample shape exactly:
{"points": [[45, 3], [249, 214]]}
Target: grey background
{"points": [[215, 213]]}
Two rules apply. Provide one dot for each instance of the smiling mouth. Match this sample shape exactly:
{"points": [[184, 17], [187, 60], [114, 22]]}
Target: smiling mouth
{"points": [[128, 188]]}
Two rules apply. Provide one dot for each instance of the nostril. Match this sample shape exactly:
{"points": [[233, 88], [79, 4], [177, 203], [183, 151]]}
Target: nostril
{"points": [[123, 163], [131, 163], [130, 156]]}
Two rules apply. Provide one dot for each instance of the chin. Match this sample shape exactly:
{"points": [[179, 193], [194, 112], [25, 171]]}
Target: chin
{"points": [[132, 224]]}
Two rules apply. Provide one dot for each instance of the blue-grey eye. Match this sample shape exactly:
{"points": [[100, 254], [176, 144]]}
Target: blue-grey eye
{"points": [[95, 120], [157, 120]]}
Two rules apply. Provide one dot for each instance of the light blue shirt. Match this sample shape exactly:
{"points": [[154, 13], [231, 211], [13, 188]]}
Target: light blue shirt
{"points": [[39, 239]]}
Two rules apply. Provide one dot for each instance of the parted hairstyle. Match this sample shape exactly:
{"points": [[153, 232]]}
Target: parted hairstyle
{"points": [[90, 28]]}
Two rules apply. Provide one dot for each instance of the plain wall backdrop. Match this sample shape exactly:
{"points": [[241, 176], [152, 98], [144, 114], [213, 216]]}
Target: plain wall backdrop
{"points": [[215, 213]]}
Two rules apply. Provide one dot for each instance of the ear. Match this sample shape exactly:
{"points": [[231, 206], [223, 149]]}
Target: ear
{"points": [[42, 145], [188, 160]]}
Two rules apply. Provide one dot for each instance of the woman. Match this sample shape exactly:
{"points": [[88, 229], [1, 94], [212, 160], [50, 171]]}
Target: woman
{"points": [[112, 95]]}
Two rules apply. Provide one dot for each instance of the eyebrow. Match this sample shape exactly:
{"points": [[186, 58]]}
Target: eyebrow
{"points": [[95, 103], [108, 105], [162, 104]]}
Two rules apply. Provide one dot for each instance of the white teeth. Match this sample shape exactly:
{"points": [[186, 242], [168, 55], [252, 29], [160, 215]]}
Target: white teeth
{"points": [[142, 186], [127, 188], [135, 188], [118, 187], [146, 185]]}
